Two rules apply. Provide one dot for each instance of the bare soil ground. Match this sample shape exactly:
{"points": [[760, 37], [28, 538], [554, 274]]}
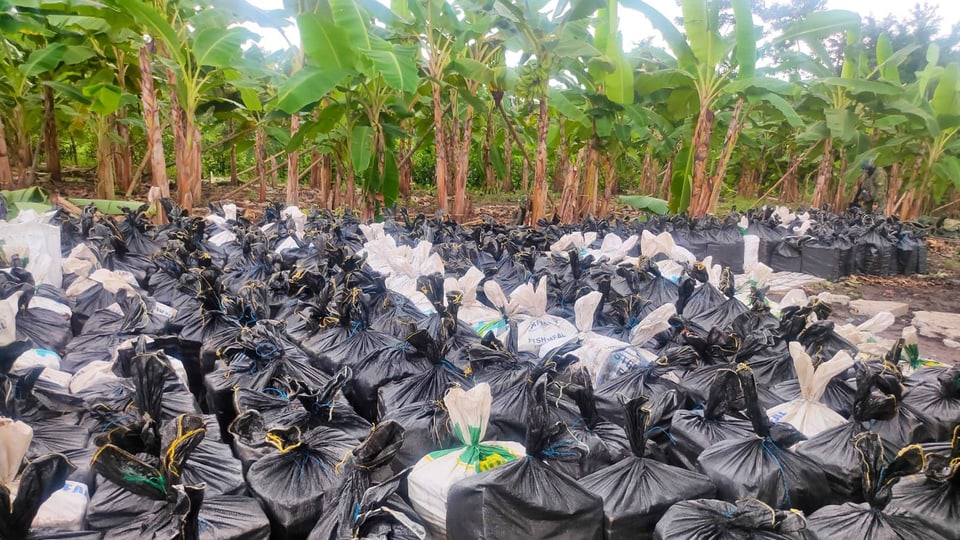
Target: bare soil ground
{"points": [[938, 290]]}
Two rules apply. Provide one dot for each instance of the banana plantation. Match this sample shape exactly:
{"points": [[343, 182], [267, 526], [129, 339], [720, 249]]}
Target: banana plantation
{"points": [[461, 97]]}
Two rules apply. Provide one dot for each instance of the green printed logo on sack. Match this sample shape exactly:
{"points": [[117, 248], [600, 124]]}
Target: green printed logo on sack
{"points": [[435, 473]]}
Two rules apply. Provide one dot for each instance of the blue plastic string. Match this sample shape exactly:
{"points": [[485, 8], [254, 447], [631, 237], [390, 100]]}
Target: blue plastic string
{"points": [[318, 406], [633, 321], [783, 473], [305, 457], [277, 392], [658, 429], [356, 513], [402, 346], [355, 327], [266, 349], [449, 367], [203, 525], [551, 451]]}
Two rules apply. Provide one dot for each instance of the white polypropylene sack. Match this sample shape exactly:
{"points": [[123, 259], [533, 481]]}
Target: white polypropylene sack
{"points": [[15, 437], [472, 311], [751, 251], [538, 332], [8, 318], [32, 358], [36, 242], [94, 373], [655, 322], [595, 350], [65, 509], [794, 297], [613, 249], [807, 414], [431, 478], [81, 261], [576, 240]]}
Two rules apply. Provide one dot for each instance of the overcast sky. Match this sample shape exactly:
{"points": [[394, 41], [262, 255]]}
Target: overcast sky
{"points": [[635, 26]]}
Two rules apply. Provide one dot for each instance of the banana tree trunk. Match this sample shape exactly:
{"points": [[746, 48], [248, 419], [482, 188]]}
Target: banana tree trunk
{"points": [[50, 136], [647, 172], [6, 174], [123, 160], [405, 167], [22, 142], [293, 167], [191, 191], [729, 143], [668, 177], [791, 188], [824, 173], [591, 181], [442, 168], [178, 124], [506, 183], [701, 154], [151, 119], [525, 177], [610, 188], [571, 187], [105, 172], [325, 177], [489, 175], [234, 177], [539, 209], [463, 166], [337, 188], [562, 160], [840, 198], [260, 161], [893, 189]]}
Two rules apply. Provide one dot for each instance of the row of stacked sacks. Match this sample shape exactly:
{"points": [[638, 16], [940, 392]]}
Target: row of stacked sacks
{"points": [[312, 376], [832, 246]]}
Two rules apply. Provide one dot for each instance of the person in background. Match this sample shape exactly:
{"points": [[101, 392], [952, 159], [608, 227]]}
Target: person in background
{"points": [[873, 189]]}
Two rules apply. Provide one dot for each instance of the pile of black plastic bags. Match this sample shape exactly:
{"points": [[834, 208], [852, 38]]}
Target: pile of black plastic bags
{"points": [[313, 376]]}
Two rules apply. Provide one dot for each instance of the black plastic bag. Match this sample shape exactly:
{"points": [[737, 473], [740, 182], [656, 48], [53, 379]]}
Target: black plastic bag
{"points": [[720, 520], [38, 479], [650, 381], [934, 494], [937, 403], [606, 442], [718, 420], [349, 337], [877, 518], [295, 482], [787, 256], [637, 491], [294, 405], [426, 428], [259, 357], [382, 514], [361, 470], [874, 253], [761, 466], [525, 498], [443, 325], [389, 363], [427, 385]]}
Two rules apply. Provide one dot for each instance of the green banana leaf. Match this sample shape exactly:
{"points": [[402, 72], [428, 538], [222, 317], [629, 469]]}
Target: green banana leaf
{"points": [[645, 203], [107, 207]]}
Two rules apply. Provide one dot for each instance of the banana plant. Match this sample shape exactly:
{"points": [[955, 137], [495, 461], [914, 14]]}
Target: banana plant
{"points": [[196, 46], [706, 59], [345, 47]]}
